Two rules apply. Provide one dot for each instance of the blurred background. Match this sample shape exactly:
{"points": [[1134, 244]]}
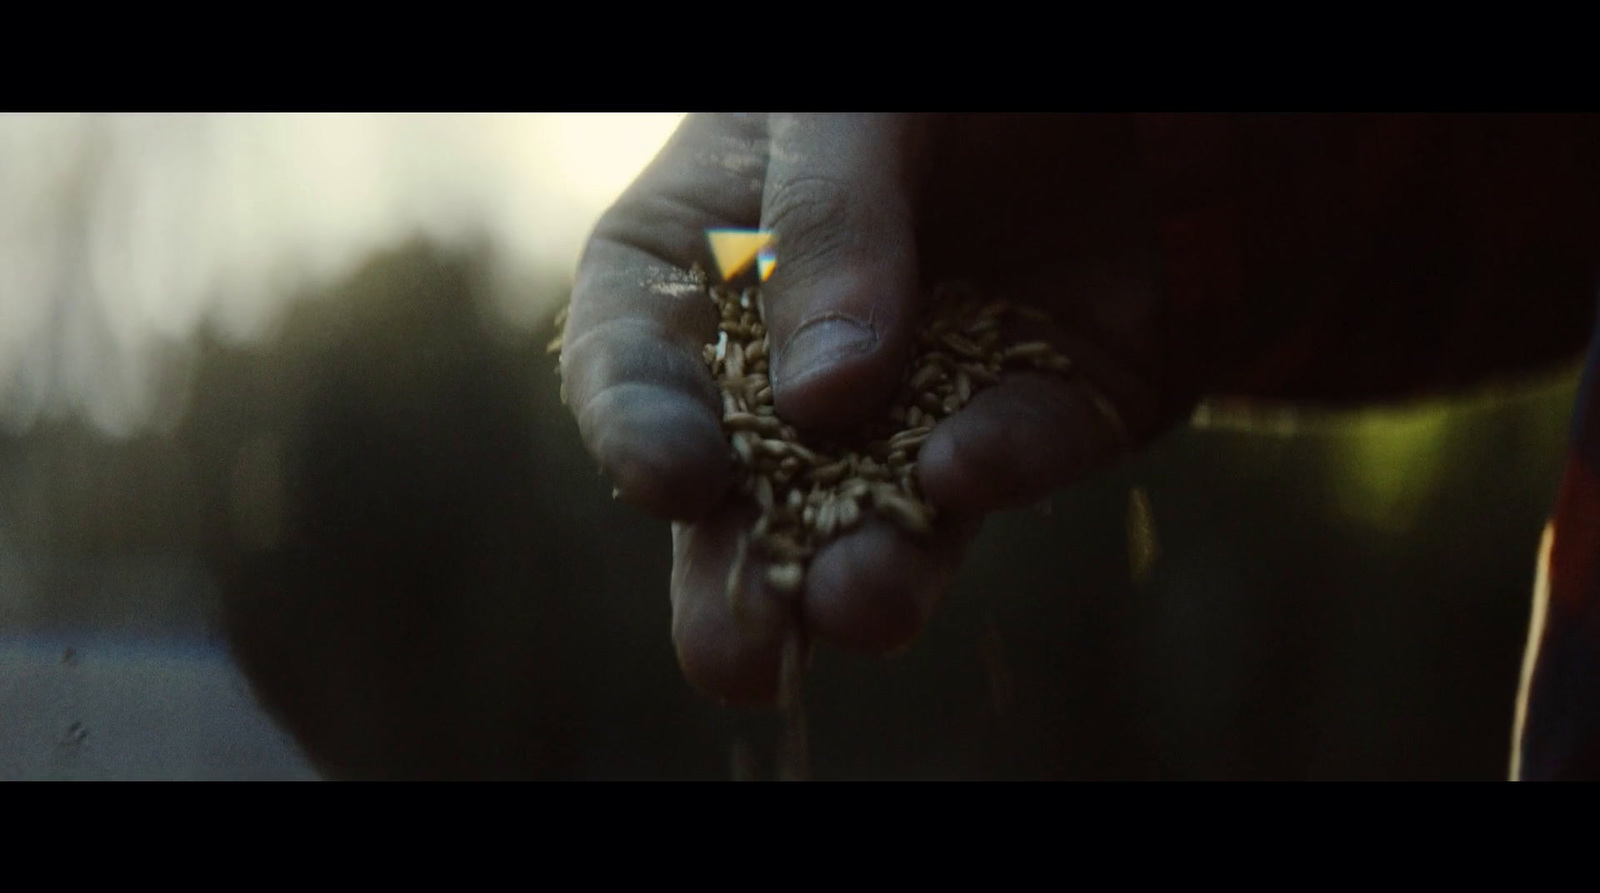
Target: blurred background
{"points": [[286, 492]]}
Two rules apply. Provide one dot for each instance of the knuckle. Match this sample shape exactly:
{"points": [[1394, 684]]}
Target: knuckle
{"points": [[815, 218], [630, 351]]}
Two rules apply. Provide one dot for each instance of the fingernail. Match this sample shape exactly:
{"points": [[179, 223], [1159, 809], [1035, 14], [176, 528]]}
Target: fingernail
{"points": [[820, 343]]}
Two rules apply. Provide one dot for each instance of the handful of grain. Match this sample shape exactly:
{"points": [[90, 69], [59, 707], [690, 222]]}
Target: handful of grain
{"points": [[809, 494]]}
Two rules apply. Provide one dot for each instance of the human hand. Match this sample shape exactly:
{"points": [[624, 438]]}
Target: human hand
{"points": [[867, 212]]}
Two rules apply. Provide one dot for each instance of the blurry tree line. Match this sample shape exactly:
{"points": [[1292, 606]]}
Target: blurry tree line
{"points": [[387, 512]]}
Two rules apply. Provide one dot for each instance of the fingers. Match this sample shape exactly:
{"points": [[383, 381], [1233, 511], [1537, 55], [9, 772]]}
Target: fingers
{"points": [[646, 406], [732, 658], [872, 590], [1016, 442], [841, 300], [875, 589], [649, 413]]}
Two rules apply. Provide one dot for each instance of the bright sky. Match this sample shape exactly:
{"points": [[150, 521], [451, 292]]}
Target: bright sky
{"points": [[119, 231]]}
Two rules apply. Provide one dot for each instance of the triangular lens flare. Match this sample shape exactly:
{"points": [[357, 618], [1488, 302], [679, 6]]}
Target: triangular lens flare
{"points": [[734, 249], [766, 259]]}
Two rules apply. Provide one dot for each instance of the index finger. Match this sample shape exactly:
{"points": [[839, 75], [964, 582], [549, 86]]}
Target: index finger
{"points": [[646, 406]]}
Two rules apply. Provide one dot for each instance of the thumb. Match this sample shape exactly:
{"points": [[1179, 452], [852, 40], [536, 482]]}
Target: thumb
{"points": [[842, 299]]}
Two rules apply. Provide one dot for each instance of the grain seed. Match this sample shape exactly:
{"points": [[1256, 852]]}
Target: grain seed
{"points": [[961, 345], [786, 577], [849, 513], [742, 448], [827, 520], [909, 515], [1028, 351], [911, 438], [925, 377]]}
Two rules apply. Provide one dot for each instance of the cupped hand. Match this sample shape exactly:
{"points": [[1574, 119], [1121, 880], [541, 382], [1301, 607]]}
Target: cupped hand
{"points": [[868, 212]]}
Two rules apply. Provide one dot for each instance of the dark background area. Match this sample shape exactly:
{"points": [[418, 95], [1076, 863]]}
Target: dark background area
{"points": [[385, 517]]}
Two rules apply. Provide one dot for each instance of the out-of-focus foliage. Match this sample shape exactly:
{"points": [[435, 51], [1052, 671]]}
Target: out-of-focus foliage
{"points": [[121, 235]]}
